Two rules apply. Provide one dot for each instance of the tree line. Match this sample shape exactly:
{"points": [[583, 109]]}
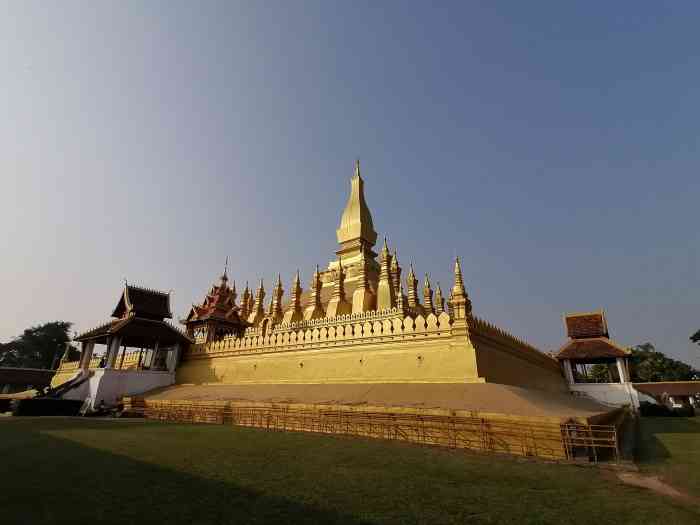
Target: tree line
{"points": [[40, 346]]}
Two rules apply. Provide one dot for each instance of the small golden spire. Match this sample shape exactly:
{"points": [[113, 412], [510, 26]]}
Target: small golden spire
{"points": [[294, 312], [459, 302], [459, 281], [245, 310], [412, 282], [427, 296], [386, 295], [439, 300], [400, 299], [338, 305], [276, 303], [314, 308], [257, 312], [395, 274]]}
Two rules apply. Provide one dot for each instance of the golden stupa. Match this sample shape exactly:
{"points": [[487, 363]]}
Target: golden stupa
{"points": [[358, 323]]}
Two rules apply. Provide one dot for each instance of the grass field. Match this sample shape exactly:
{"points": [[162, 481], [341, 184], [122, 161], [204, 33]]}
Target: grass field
{"points": [[670, 447], [90, 471]]}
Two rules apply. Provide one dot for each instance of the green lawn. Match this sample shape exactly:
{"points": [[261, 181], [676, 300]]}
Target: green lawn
{"points": [[77, 471], [670, 447]]}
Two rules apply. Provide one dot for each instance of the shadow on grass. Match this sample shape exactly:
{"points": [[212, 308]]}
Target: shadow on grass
{"points": [[50, 480], [650, 449]]}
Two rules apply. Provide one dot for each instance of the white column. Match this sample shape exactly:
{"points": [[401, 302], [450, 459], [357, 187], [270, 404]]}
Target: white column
{"points": [[621, 370], [173, 357], [154, 356], [86, 355], [112, 351], [568, 372], [83, 350]]}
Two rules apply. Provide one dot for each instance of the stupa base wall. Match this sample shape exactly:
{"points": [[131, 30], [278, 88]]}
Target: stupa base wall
{"points": [[498, 363], [436, 361]]}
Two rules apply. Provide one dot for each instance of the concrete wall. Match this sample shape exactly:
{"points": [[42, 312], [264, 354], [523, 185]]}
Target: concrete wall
{"points": [[499, 362], [109, 385], [610, 394]]}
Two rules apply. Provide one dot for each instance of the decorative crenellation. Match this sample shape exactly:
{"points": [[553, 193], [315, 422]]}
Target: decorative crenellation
{"points": [[483, 327], [347, 330]]}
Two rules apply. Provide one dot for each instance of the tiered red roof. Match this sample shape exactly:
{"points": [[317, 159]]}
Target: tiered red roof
{"points": [[219, 303], [589, 338]]}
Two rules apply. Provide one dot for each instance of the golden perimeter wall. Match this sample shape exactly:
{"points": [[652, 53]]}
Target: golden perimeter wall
{"points": [[374, 347]]}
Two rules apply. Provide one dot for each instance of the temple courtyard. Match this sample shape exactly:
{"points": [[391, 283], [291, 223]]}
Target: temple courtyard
{"points": [[78, 470]]}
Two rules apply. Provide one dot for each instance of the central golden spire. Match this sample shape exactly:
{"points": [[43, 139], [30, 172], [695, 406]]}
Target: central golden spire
{"points": [[356, 222]]}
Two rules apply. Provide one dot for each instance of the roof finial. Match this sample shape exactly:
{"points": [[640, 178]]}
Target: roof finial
{"points": [[357, 167], [224, 276]]}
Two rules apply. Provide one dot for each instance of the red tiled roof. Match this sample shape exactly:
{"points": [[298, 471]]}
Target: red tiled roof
{"points": [[143, 302], [137, 328], [591, 348], [585, 325], [672, 388]]}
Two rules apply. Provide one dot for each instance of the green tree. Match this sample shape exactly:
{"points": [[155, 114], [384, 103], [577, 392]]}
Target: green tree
{"points": [[650, 365], [38, 346], [603, 373], [695, 338]]}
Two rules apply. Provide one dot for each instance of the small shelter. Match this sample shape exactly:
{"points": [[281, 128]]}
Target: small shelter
{"points": [[590, 349], [590, 344], [139, 323]]}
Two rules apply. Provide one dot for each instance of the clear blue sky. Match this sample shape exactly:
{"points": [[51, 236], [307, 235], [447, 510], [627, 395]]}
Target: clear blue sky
{"points": [[553, 145]]}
